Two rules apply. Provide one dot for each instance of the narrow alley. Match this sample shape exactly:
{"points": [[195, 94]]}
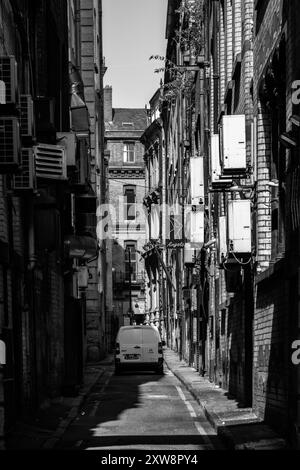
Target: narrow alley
{"points": [[142, 412], [149, 225]]}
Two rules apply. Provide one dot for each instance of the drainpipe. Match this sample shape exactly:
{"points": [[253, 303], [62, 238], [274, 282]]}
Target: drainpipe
{"points": [[77, 33]]}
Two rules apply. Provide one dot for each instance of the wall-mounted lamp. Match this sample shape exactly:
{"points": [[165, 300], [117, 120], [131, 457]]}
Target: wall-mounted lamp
{"points": [[295, 119], [288, 139]]}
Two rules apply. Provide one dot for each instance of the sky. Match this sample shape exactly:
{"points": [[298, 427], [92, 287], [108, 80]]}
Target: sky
{"points": [[133, 30]]}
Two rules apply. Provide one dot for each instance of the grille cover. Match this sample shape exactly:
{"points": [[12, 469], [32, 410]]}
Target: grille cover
{"points": [[26, 180], [9, 142], [8, 77], [50, 162]]}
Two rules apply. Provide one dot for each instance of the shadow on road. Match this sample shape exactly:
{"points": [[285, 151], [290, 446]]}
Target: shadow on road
{"points": [[101, 424]]}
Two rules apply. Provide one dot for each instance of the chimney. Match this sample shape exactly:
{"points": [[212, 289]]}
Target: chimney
{"points": [[108, 103]]}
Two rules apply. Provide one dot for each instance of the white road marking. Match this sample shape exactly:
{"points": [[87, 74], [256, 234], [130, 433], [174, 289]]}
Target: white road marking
{"points": [[149, 396], [198, 426]]}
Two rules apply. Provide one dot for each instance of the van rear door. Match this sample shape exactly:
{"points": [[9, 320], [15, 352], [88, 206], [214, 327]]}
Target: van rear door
{"points": [[150, 345], [131, 345]]}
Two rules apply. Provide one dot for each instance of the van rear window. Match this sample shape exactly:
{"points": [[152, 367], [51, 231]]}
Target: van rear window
{"points": [[131, 336], [149, 336]]}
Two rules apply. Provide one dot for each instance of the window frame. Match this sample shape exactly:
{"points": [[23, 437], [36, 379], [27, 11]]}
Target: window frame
{"points": [[133, 261], [127, 152], [127, 205]]}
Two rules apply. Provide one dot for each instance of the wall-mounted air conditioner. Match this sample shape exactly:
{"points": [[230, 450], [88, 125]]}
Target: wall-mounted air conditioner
{"points": [[68, 140], [197, 180], [26, 181], [26, 116], [50, 162], [195, 224], [233, 144], [217, 180], [222, 238], [9, 144], [239, 226], [189, 254], [8, 80]]}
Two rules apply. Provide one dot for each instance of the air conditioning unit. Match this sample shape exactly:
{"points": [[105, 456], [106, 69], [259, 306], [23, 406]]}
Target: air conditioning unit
{"points": [[239, 226], [8, 80], [197, 225], [26, 119], [9, 144], [68, 140], [197, 179], [189, 254], [26, 180], [233, 144], [50, 162], [217, 180]]}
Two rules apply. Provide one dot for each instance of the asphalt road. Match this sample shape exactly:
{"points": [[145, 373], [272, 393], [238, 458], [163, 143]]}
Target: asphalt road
{"points": [[140, 411]]}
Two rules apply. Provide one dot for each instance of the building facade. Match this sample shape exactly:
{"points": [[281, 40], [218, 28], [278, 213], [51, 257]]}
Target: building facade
{"points": [[126, 180], [155, 217], [230, 98], [49, 145]]}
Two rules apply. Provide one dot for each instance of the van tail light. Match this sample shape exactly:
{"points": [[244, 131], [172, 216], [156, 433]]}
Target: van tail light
{"points": [[160, 349], [117, 348]]}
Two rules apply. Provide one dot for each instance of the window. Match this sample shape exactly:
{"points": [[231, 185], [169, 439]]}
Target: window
{"points": [[129, 203], [130, 260], [128, 153]]}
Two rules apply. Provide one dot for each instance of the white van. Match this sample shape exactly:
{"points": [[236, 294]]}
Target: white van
{"points": [[138, 347]]}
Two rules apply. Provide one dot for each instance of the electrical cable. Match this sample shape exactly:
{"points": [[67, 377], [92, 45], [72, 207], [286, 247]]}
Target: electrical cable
{"points": [[240, 262]]}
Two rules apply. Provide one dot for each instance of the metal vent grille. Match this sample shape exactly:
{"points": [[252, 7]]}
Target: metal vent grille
{"points": [[26, 119], [8, 80], [9, 141], [26, 180], [50, 162]]}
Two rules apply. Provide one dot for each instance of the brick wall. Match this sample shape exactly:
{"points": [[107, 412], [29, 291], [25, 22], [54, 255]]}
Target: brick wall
{"points": [[271, 352], [274, 296], [229, 348]]}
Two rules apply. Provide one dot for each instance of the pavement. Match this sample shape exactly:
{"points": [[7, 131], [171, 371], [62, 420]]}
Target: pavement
{"points": [[45, 429], [239, 428]]}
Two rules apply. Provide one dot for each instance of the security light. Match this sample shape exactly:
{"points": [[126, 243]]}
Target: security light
{"points": [[295, 119], [288, 140]]}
